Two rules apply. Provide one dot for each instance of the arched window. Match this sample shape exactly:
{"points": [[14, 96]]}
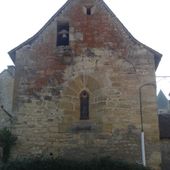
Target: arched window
{"points": [[84, 105]]}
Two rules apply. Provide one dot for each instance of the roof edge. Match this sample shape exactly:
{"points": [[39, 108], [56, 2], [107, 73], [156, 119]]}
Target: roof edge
{"points": [[12, 53], [157, 55]]}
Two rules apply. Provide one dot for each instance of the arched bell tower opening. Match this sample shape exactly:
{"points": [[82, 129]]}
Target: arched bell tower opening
{"points": [[84, 105]]}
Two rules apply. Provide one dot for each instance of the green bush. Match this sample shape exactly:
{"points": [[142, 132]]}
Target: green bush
{"points": [[7, 140], [61, 164]]}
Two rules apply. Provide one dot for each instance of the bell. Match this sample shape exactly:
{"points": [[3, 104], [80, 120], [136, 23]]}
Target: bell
{"points": [[63, 33]]}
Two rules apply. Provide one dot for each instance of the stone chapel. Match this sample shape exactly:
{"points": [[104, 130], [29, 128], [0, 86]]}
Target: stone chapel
{"points": [[76, 89]]}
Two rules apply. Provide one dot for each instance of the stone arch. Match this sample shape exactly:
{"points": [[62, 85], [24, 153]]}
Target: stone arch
{"points": [[126, 66], [70, 101], [80, 83]]}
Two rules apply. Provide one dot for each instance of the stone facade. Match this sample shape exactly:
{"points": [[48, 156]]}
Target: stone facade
{"points": [[101, 58], [6, 96]]}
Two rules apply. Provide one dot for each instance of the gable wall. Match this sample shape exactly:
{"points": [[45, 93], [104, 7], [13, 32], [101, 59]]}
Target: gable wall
{"points": [[103, 60]]}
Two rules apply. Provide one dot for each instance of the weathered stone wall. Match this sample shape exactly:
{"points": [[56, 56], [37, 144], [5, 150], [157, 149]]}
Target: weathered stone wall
{"points": [[165, 151], [6, 95], [102, 59]]}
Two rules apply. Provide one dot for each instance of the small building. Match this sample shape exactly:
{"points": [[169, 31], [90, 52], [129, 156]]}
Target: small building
{"points": [[164, 125], [163, 103], [6, 96]]}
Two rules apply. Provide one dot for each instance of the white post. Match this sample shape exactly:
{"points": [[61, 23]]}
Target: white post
{"points": [[143, 149]]}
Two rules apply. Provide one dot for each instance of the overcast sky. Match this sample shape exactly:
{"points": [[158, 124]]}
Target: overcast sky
{"points": [[147, 20]]}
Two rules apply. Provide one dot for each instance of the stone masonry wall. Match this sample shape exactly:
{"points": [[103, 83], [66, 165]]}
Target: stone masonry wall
{"points": [[6, 95], [102, 59]]}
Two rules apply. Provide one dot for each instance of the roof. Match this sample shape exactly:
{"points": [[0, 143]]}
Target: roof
{"points": [[9, 71], [12, 53], [164, 126], [162, 101]]}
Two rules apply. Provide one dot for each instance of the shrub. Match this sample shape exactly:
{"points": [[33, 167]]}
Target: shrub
{"points": [[62, 164], [7, 140]]}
